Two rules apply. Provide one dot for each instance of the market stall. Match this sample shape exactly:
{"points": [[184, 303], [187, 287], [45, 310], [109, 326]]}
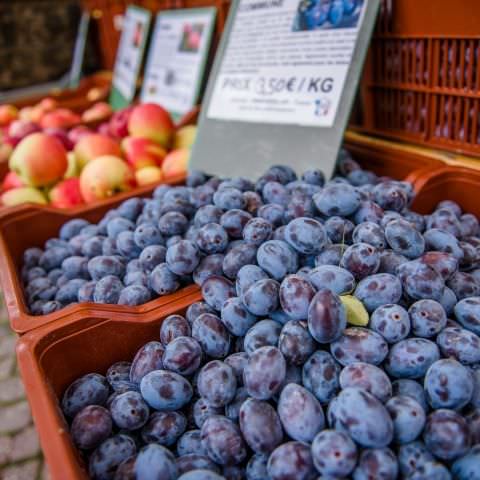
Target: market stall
{"points": [[261, 259]]}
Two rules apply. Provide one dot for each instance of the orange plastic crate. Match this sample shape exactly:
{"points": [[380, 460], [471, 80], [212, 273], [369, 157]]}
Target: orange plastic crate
{"points": [[449, 183], [422, 78], [53, 356], [16, 236]]}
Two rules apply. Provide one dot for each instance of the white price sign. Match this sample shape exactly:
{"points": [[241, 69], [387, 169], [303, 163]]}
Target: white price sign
{"points": [[285, 62], [129, 56], [176, 59]]}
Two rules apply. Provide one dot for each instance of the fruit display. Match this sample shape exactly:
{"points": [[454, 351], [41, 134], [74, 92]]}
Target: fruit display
{"points": [[55, 158], [337, 336]]}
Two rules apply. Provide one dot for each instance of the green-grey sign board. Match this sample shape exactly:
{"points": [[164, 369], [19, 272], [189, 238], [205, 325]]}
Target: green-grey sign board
{"points": [[128, 62], [176, 59], [282, 85]]}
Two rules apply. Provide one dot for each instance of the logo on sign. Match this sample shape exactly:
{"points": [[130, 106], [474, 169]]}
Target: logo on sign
{"points": [[322, 106]]}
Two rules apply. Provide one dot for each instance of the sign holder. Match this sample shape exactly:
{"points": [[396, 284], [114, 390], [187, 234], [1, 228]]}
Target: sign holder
{"points": [[130, 52], [177, 59], [79, 51], [233, 141]]}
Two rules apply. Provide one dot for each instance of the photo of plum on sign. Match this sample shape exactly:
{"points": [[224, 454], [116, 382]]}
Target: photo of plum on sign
{"points": [[286, 61]]}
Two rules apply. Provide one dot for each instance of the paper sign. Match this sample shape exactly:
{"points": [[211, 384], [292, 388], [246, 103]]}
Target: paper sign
{"points": [[129, 56], [79, 51], [176, 59], [282, 85], [286, 61]]}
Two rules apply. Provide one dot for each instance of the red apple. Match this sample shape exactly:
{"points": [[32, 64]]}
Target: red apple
{"points": [[19, 129], [66, 194], [105, 176], [61, 135], [142, 152], [8, 113], [36, 114], [93, 146], [119, 122], [149, 120], [60, 118], [104, 129], [12, 180], [39, 159], [76, 133], [176, 162], [48, 104], [96, 112]]}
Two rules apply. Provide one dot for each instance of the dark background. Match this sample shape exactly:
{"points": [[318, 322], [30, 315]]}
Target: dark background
{"points": [[37, 39]]}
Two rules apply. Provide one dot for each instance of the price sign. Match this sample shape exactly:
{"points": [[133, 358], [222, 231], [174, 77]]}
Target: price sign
{"points": [[176, 59], [129, 56], [283, 84]]}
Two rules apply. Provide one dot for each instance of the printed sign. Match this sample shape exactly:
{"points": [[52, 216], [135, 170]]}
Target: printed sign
{"points": [[176, 59], [282, 85], [286, 61], [129, 56]]}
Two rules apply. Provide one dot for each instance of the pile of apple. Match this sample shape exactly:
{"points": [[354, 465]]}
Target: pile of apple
{"points": [[137, 146], [46, 116]]}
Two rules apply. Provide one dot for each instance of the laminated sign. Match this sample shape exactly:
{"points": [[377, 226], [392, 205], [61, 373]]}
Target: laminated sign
{"points": [[176, 59], [283, 84], [129, 56]]}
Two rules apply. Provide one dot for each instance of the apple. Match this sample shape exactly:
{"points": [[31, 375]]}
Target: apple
{"points": [[149, 120], [104, 176], [5, 152], [147, 175], [25, 114], [36, 114], [96, 112], [48, 104], [66, 194], [142, 152], [72, 167], [104, 129], [119, 122], [39, 160], [16, 196], [76, 133], [93, 146], [61, 135], [97, 93], [60, 118], [176, 162], [19, 129], [185, 136], [8, 113], [11, 180]]}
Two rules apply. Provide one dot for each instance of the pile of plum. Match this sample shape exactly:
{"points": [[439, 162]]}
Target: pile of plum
{"points": [[147, 248], [338, 336]]}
